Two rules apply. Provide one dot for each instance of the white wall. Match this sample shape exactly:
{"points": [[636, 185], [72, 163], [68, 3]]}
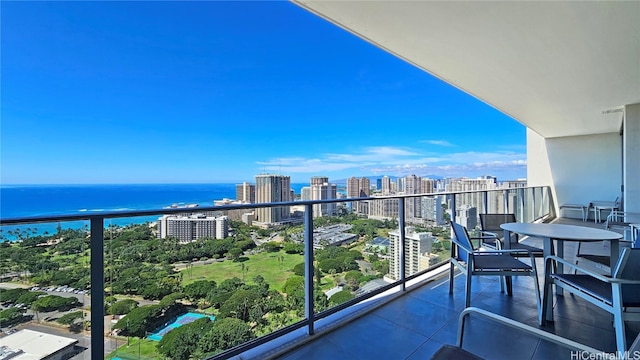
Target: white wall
{"points": [[578, 168], [632, 158]]}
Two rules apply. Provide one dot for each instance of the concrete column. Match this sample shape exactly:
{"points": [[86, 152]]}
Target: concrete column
{"points": [[631, 158]]}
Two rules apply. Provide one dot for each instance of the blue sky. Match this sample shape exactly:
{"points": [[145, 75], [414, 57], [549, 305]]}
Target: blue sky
{"points": [[201, 92]]}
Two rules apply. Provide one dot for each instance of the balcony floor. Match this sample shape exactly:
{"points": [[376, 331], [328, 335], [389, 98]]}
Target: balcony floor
{"points": [[415, 325]]}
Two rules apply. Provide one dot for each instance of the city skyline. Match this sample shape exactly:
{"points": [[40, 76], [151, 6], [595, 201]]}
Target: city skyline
{"points": [[216, 92]]}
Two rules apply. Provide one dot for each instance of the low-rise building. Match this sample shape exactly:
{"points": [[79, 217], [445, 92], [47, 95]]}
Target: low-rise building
{"points": [[29, 344]]}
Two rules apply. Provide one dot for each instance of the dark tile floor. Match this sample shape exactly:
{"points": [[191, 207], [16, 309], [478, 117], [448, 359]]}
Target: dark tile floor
{"points": [[415, 325]]}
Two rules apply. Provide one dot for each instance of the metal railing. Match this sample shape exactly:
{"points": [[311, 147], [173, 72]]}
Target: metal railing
{"points": [[529, 204]]}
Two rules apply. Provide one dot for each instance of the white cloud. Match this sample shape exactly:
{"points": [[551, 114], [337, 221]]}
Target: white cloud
{"points": [[438, 142], [400, 161]]}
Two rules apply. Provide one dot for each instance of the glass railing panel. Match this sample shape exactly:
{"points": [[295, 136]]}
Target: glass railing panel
{"points": [[528, 205], [547, 204], [427, 240], [162, 273], [180, 275], [514, 203], [353, 251], [538, 203], [467, 209], [45, 284], [495, 202]]}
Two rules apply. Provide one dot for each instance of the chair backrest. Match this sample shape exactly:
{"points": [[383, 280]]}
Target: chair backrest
{"points": [[462, 236], [492, 222], [628, 266]]}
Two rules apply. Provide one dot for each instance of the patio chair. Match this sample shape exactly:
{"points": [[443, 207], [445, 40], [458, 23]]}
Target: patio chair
{"points": [[597, 206], [487, 263], [457, 352], [598, 259], [618, 294], [616, 220], [493, 235]]}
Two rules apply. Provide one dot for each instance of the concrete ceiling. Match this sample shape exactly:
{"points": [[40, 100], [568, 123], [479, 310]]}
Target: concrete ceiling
{"points": [[560, 68]]}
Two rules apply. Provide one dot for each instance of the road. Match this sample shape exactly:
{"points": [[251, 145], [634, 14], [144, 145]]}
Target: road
{"points": [[84, 338]]}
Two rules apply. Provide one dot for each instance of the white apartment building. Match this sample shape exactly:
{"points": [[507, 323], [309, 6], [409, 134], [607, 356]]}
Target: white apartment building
{"points": [[467, 216], [305, 193], [476, 199], [188, 228], [322, 190], [382, 209], [417, 250], [413, 185], [386, 186], [432, 210], [400, 185]]}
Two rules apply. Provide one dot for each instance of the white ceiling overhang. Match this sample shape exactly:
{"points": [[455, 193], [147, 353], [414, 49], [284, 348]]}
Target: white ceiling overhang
{"points": [[560, 68]]}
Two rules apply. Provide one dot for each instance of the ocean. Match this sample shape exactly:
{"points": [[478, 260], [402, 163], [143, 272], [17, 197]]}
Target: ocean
{"points": [[42, 200]]}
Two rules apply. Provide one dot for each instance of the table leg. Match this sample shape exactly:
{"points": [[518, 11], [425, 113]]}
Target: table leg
{"points": [[560, 268], [507, 246], [547, 249], [615, 254]]}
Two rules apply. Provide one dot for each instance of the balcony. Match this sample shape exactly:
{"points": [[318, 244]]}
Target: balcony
{"points": [[411, 315], [417, 324]]}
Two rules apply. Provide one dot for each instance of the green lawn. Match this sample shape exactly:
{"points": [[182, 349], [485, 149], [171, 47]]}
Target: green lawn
{"points": [[265, 264], [147, 349]]}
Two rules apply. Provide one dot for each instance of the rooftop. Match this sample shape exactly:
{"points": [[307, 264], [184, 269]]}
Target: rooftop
{"points": [[35, 344]]}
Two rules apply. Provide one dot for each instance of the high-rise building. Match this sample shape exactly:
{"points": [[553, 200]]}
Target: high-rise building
{"points": [[379, 184], [400, 185], [382, 209], [475, 199], [413, 185], [427, 185], [246, 192], [417, 250], [188, 228], [358, 187], [467, 216], [386, 185], [322, 190], [222, 227], [305, 193], [353, 187], [269, 189], [432, 210]]}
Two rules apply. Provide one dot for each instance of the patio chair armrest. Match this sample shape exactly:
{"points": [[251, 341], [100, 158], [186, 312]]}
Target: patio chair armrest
{"points": [[489, 234], [504, 251], [624, 281], [482, 237], [550, 258], [536, 332]]}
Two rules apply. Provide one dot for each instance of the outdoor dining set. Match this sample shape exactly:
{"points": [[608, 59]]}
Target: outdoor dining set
{"points": [[497, 250]]}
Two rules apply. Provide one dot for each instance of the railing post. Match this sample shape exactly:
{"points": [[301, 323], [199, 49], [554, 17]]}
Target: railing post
{"points": [[401, 261], [521, 195], [308, 269], [506, 201], [534, 210], [97, 287]]}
